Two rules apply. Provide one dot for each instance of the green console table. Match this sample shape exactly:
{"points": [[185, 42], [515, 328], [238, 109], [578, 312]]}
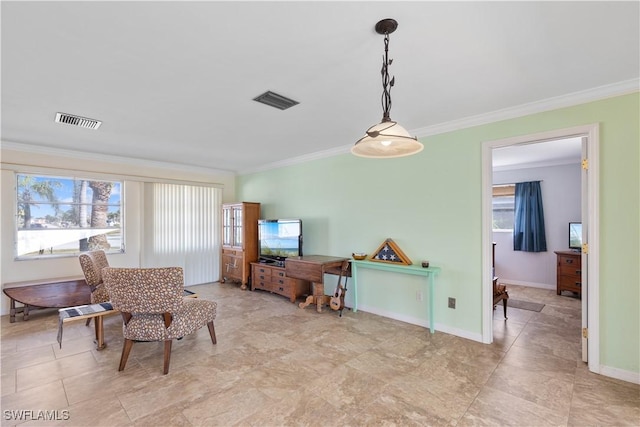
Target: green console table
{"points": [[415, 270]]}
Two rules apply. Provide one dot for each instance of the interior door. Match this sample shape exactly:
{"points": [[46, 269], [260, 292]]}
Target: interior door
{"points": [[585, 250]]}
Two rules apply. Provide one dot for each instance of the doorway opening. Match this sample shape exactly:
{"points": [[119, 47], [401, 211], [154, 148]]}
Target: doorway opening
{"points": [[587, 213]]}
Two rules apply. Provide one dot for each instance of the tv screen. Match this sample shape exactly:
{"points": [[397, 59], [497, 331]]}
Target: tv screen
{"points": [[575, 235], [280, 238]]}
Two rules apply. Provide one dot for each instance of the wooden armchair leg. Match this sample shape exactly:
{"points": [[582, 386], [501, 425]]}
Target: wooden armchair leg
{"points": [[212, 332], [99, 324], [167, 355], [504, 305], [126, 349]]}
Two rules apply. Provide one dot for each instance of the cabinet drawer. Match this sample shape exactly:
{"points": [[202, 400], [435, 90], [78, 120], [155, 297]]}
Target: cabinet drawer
{"points": [[279, 281], [570, 283], [264, 276], [570, 269], [232, 251], [266, 271], [281, 287], [261, 284], [568, 260]]}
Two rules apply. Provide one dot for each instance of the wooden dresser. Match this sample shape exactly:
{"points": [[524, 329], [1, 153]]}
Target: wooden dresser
{"points": [[272, 278], [569, 272]]}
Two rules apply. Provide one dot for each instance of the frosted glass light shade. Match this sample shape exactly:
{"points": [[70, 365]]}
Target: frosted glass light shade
{"points": [[386, 140]]}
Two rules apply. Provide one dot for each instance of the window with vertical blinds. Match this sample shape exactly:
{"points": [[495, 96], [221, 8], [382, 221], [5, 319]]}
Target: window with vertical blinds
{"points": [[182, 229]]}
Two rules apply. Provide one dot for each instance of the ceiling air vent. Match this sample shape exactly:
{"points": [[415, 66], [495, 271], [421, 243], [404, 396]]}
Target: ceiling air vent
{"points": [[274, 100], [73, 120]]}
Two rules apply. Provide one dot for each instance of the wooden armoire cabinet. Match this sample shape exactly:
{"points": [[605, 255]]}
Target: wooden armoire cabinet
{"points": [[239, 241]]}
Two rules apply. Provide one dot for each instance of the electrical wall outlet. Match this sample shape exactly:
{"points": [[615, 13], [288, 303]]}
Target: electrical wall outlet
{"points": [[452, 302], [418, 295]]}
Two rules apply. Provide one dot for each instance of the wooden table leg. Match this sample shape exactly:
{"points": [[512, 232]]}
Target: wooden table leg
{"points": [[12, 311], [25, 312], [306, 302], [317, 297], [318, 293], [322, 301]]}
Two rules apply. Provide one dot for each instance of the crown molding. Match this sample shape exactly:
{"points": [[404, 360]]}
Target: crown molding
{"points": [[576, 98], [85, 155], [297, 160]]}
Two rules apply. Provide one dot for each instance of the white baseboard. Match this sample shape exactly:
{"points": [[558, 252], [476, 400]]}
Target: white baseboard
{"points": [[421, 322], [620, 374], [530, 284]]}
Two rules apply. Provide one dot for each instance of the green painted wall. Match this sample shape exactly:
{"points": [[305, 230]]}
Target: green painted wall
{"points": [[430, 204]]}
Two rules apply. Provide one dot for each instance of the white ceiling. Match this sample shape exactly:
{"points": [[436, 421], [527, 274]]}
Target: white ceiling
{"points": [[174, 81]]}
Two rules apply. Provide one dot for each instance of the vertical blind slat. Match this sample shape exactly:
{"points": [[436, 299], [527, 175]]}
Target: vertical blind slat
{"points": [[185, 221]]}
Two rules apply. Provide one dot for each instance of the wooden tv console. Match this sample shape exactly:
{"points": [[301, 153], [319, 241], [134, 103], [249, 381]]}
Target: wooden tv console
{"points": [[270, 277], [301, 275]]}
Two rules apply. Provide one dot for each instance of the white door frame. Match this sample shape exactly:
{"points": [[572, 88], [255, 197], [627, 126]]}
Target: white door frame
{"points": [[592, 133]]}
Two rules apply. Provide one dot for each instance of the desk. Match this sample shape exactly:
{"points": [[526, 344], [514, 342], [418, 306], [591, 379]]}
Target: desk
{"points": [[415, 270], [313, 268]]}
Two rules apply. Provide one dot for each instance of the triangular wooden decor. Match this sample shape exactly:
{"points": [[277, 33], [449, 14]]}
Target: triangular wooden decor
{"points": [[391, 253]]}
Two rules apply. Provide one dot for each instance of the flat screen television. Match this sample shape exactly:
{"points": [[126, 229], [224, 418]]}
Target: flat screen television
{"points": [[575, 236], [279, 238]]}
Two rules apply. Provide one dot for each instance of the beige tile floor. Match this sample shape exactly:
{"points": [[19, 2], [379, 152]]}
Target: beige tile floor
{"points": [[276, 364]]}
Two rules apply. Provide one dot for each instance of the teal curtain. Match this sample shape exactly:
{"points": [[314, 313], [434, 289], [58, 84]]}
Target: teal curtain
{"points": [[528, 227]]}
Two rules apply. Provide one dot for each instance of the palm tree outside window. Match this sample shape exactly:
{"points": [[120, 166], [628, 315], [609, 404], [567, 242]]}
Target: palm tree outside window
{"points": [[63, 216]]}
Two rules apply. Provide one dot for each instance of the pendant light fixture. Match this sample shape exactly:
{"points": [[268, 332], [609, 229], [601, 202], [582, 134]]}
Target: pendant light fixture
{"points": [[387, 139]]}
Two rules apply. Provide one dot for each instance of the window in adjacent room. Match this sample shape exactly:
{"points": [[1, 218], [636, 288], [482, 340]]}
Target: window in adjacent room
{"points": [[503, 202], [63, 216]]}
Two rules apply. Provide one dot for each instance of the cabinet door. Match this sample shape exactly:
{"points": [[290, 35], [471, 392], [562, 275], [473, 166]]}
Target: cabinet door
{"points": [[231, 267], [237, 225], [227, 226]]}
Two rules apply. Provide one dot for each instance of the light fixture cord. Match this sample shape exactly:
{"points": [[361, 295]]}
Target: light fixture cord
{"points": [[387, 83]]}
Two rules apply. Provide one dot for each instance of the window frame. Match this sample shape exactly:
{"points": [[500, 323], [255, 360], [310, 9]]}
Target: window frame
{"points": [[112, 213], [499, 191]]}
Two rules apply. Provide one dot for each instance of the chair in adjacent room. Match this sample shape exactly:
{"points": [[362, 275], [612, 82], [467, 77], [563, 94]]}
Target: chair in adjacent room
{"points": [[153, 307], [500, 294], [92, 264], [499, 290]]}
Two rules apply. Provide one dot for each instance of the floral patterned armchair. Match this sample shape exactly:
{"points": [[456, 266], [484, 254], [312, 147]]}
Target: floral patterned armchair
{"points": [[153, 307], [92, 264]]}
